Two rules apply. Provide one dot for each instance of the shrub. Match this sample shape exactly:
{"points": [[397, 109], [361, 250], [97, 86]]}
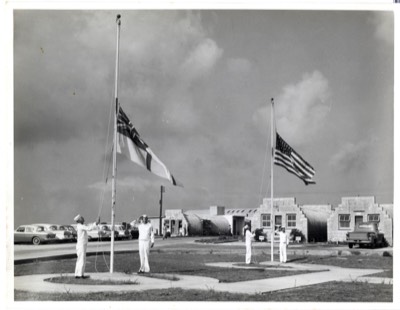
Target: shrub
{"points": [[297, 233], [387, 254]]}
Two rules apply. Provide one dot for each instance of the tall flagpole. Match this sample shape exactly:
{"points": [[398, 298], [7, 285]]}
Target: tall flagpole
{"points": [[114, 173], [272, 181]]}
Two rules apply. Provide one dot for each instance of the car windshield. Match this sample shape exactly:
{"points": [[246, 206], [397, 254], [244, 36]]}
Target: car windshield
{"points": [[39, 228]]}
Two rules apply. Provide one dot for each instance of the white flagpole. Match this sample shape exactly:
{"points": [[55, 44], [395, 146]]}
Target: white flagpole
{"points": [[114, 174], [272, 181]]}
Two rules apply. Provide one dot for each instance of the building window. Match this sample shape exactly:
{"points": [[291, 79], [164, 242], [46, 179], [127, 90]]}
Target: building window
{"points": [[291, 220], [266, 220], [344, 221], [373, 218]]}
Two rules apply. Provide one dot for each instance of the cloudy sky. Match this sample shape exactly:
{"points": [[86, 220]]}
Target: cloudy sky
{"points": [[197, 86]]}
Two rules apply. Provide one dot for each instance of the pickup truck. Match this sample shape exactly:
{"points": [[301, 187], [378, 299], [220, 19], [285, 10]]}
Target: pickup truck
{"points": [[365, 233]]}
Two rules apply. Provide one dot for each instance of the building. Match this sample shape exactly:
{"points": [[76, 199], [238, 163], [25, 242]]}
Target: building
{"points": [[314, 223], [310, 221], [360, 209], [208, 222]]}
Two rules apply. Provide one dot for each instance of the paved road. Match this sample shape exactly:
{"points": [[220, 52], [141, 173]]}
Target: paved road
{"points": [[28, 251], [24, 252]]}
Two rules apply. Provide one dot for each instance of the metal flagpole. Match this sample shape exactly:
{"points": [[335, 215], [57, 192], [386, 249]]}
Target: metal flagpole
{"points": [[114, 174], [272, 181]]}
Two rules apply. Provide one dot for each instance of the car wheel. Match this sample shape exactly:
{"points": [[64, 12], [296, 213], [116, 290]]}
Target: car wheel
{"points": [[350, 245], [36, 240]]}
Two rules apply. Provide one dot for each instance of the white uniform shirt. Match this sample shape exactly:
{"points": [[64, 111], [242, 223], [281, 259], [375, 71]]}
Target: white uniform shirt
{"points": [[249, 236], [82, 236], [283, 238], [146, 232]]}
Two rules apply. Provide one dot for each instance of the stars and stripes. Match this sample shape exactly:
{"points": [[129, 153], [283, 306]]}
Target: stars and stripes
{"points": [[287, 158], [130, 144]]}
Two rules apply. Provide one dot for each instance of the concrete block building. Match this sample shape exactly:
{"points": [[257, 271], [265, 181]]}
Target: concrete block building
{"points": [[310, 220], [317, 223], [360, 209]]}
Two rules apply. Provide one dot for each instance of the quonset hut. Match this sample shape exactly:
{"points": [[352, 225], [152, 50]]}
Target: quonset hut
{"points": [[214, 221]]}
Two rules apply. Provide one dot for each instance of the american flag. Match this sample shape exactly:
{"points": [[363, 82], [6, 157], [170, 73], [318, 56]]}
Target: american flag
{"points": [[130, 144], [287, 158]]}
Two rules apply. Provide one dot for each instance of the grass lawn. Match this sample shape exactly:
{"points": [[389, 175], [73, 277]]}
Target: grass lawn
{"points": [[192, 262], [326, 292]]}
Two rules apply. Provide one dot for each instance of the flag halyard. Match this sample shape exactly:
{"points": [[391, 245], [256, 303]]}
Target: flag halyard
{"points": [[131, 145], [289, 159]]}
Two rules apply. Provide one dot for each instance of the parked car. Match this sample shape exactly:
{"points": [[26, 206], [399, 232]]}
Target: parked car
{"points": [[92, 234], [260, 235], [105, 233], [71, 229], [134, 232], [34, 234], [365, 233], [61, 235], [123, 234]]}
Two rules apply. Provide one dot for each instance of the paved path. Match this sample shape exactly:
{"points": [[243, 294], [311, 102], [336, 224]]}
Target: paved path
{"points": [[321, 274]]}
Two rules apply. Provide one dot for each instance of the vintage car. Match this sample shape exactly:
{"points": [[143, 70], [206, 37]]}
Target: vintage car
{"points": [[105, 232], [365, 233], [93, 234], [34, 234], [61, 235], [71, 229], [123, 234], [134, 231]]}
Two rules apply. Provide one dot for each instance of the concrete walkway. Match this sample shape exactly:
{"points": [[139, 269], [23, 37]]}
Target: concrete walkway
{"points": [[320, 274]]}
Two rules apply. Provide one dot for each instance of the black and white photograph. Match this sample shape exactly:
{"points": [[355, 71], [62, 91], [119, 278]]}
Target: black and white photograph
{"points": [[201, 155]]}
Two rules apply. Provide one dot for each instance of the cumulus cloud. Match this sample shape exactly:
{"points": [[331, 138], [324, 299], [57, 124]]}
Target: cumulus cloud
{"points": [[169, 53], [352, 156], [201, 60], [300, 108]]}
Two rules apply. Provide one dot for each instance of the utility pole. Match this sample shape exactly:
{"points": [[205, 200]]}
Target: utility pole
{"points": [[162, 190]]}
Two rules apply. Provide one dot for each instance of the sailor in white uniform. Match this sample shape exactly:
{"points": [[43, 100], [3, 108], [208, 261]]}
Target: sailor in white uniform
{"points": [[249, 239], [81, 244], [146, 241], [283, 243]]}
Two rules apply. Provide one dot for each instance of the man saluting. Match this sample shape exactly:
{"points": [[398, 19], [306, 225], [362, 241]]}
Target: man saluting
{"points": [[146, 241], [81, 244]]}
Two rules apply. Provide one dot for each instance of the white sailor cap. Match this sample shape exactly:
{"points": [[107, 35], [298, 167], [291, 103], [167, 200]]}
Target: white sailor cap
{"points": [[76, 218]]}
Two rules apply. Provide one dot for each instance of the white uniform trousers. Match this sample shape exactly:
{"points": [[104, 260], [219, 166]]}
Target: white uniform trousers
{"points": [[81, 261], [248, 252], [144, 251], [282, 252]]}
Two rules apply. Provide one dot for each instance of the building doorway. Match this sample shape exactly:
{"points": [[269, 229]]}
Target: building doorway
{"points": [[238, 223], [278, 221], [358, 219]]}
